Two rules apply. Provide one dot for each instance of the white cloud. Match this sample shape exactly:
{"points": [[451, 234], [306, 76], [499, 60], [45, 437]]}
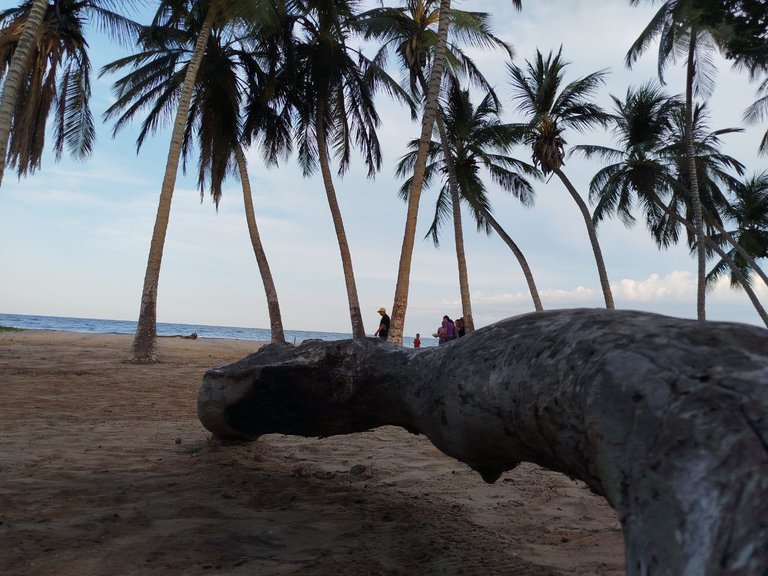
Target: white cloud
{"points": [[677, 285]]}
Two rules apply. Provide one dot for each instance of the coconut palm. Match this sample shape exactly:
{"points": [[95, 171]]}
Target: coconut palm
{"points": [[736, 269], [15, 67], [715, 174], [748, 210], [429, 114], [213, 124], [681, 32], [649, 169], [409, 33], [740, 28], [637, 172], [44, 51], [714, 169], [332, 89], [182, 14], [550, 108], [476, 139]]}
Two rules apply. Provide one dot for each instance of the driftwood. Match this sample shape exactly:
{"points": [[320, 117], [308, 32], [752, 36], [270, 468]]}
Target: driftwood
{"points": [[666, 418], [192, 336]]}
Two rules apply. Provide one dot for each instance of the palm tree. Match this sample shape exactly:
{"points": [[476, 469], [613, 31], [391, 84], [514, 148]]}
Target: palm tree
{"points": [[736, 270], [643, 167], [213, 122], [332, 95], [16, 65], [44, 50], [749, 212], [649, 169], [680, 30], [551, 108], [430, 112], [409, 33], [180, 13], [476, 139], [739, 27], [714, 173]]}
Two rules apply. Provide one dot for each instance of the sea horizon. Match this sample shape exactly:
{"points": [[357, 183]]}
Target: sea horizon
{"points": [[107, 326]]}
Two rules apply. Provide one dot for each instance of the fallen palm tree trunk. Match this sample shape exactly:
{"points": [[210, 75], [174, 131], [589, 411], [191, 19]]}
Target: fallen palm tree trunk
{"points": [[666, 418]]}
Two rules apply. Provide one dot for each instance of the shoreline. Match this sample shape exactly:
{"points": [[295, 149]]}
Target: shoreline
{"points": [[105, 469], [165, 329]]}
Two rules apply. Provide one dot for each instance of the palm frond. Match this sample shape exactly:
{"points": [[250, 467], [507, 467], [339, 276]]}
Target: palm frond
{"points": [[77, 129], [443, 212], [649, 33]]}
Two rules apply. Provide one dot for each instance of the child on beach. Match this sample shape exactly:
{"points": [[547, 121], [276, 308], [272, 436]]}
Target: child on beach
{"points": [[417, 341]]}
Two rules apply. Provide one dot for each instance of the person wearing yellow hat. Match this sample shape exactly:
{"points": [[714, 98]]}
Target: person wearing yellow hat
{"points": [[383, 325]]}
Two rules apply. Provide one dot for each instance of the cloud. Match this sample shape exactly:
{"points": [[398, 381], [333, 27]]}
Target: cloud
{"points": [[677, 285], [673, 294]]}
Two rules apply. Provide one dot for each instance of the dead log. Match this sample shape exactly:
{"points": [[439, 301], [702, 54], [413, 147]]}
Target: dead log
{"points": [[666, 418]]}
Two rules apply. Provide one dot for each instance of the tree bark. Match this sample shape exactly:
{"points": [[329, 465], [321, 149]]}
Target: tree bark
{"points": [[458, 231], [358, 331], [273, 304], [400, 304], [17, 70], [698, 220], [605, 285], [144, 347], [666, 418]]}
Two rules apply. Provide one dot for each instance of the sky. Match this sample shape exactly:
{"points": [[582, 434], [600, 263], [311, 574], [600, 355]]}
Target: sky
{"points": [[74, 237]]}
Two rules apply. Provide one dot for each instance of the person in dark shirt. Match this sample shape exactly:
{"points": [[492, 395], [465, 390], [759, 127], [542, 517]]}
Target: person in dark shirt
{"points": [[383, 325]]}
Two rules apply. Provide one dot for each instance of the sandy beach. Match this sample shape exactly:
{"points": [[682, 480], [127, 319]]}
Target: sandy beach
{"points": [[105, 470]]}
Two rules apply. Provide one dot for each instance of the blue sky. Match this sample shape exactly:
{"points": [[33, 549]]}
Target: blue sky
{"points": [[74, 237]]}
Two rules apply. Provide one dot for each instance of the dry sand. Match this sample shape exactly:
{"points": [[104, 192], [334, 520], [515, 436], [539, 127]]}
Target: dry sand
{"points": [[105, 470]]}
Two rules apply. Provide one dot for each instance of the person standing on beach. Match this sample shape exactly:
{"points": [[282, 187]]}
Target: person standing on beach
{"points": [[417, 341], [447, 330], [383, 325]]}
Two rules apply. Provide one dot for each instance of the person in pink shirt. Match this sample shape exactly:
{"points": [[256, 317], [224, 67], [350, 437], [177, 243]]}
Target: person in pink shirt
{"points": [[447, 330]]}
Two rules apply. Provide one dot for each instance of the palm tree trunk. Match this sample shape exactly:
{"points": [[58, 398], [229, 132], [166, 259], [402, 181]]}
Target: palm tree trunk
{"points": [[273, 306], [145, 340], [458, 232], [724, 255], [698, 222], [606, 286], [518, 254], [16, 72], [358, 331], [430, 113]]}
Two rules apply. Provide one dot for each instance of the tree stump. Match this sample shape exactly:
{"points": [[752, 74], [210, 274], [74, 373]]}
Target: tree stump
{"points": [[666, 418]]}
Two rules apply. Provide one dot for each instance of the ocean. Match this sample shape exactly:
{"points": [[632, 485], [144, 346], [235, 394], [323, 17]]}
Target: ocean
{"points": [[100, 326]]}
